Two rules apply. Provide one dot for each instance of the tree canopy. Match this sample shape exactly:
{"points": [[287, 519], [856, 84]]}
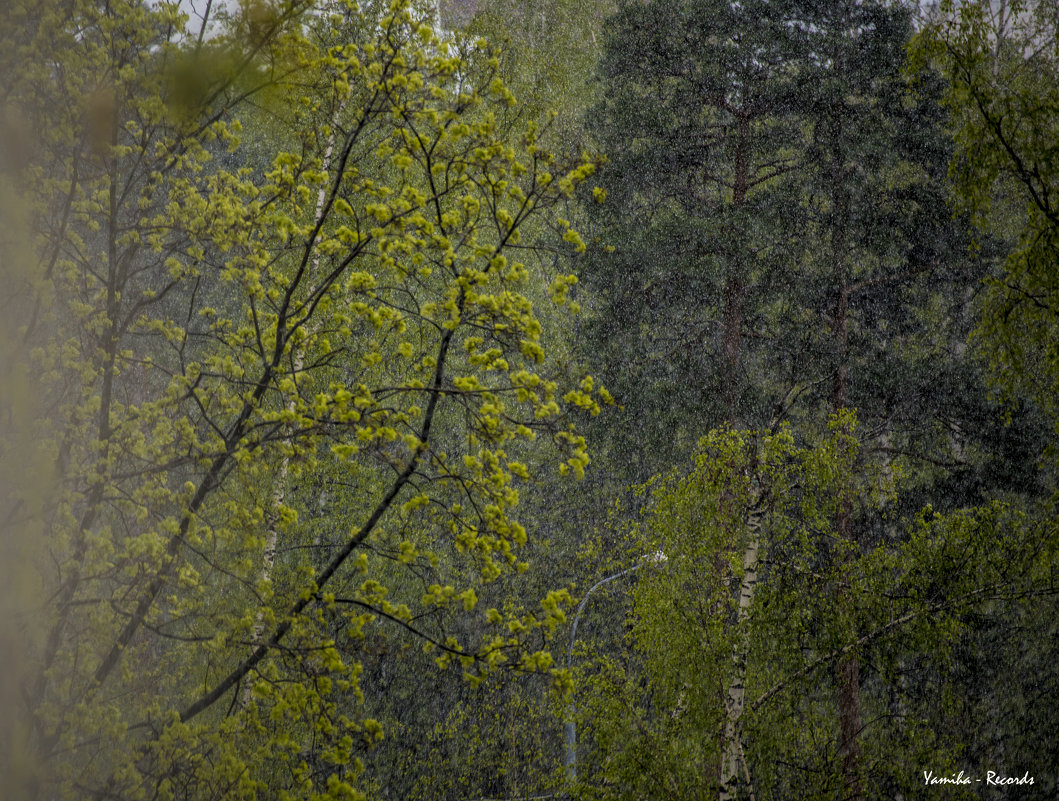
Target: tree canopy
{"points": [[311, 484], [279, 393]]}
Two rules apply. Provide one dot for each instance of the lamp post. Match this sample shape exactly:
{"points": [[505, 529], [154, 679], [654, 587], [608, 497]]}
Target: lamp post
{"points": [[569, 727]]}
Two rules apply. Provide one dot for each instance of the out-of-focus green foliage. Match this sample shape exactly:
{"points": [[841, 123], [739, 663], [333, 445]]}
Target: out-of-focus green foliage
{"points": [[549, 51]]}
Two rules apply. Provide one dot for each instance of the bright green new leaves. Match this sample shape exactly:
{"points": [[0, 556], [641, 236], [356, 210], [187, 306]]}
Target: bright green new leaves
{"points": [[291, 376], [738, 631], [749, 502], [1002, 66]]}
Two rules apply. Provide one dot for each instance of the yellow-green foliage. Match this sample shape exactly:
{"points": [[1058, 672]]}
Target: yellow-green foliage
{"points": [[815, 599], [266, 268], [744, 488], [1002, 67]]}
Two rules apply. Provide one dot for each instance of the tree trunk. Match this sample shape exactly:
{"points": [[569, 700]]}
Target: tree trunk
{"points": [[735, 286], [268, 557], [847, 670], [732, 751]]}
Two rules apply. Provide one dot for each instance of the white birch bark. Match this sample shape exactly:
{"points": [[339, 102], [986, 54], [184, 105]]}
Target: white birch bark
{"points": [[732, 750], [268, 557]]}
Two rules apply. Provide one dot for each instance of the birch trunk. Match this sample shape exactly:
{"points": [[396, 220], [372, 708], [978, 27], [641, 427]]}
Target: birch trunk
{"points": [[268, 558], [732, 751]]}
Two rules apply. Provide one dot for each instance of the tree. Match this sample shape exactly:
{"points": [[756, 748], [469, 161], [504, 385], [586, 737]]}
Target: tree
{"points": [[749, 504], [717, 674], [747, 145], [1001, 63], [785, 181], [697, 122], [858, 293], [218, 345], [549, 54]]}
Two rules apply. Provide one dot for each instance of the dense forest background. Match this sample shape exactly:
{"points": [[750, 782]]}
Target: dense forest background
{"points": [[595, 399]]}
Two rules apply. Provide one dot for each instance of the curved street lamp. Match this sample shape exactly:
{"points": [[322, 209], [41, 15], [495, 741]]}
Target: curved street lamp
{"points": [[569, 727]]}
